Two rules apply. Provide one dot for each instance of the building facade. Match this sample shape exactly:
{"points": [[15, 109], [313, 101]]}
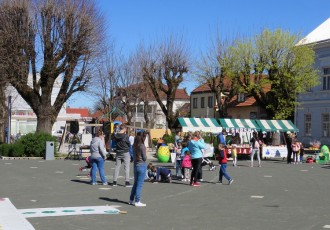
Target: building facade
{"points": [[203, 104], [313, 112]]}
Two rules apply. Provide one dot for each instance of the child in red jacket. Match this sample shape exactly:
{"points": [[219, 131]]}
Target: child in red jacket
{"points": [[223, 165]]}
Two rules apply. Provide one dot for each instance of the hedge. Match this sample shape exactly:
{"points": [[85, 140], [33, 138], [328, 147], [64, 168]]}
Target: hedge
{"points": [[29, 145]]}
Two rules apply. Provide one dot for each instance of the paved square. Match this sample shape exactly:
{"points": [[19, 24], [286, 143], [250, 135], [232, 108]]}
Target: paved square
{"points": [[275, 196]]}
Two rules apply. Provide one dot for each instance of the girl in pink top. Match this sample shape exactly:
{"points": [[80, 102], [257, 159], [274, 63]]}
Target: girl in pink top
{"points": [[186, 165]]}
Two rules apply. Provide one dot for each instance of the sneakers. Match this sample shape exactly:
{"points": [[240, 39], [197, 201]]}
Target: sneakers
{"points": [[130, 202], [200, 180], [93, 183], [219, 182], [196, 184], [230, 181], [105, 183], [114, 183], [128, 185], [139, 204]]}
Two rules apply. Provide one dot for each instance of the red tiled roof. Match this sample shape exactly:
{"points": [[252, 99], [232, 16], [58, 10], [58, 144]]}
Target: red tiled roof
{"points": [[84, 112], [250, 101], [179, 94]]}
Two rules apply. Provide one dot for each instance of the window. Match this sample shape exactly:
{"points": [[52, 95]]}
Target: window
{"points": [[240, 97], [202, 102], [308, 125], [210, 102], [253, 115], [326, 78], [325, 125], [194, 103]]}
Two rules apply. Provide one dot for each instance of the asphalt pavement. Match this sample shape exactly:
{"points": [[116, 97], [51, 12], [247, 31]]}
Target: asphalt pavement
{"points": [[275, 196]]}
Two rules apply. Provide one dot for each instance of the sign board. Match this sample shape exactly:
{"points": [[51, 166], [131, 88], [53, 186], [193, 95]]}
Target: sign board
{"points": [[274, 151]]}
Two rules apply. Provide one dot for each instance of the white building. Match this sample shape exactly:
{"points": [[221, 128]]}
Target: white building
{"points": [[24, 120], [313, 112]]}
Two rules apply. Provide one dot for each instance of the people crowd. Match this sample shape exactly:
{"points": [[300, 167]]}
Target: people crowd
{"points": [[190, 157]]}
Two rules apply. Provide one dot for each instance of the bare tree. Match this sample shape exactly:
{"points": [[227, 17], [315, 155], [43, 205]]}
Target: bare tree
{"points": [[44, 40], [163, 67], [215, 69]]}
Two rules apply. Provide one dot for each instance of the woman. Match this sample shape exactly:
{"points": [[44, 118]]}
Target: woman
{"points": [[195, 147], [140, 168], [98, 155]]}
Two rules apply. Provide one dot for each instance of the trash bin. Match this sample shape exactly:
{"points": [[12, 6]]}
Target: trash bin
{"points": [[50, 149]]}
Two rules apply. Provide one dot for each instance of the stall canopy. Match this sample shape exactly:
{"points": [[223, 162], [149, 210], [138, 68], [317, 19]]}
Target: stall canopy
{"points": [[198, 124], [277, 125], [239, 124]]}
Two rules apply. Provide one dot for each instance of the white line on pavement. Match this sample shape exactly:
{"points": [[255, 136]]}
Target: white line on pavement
{"points": [[257, 197]]}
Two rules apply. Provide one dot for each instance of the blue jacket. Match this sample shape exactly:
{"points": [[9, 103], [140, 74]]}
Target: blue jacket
{"points": [[195, 148], [183, 150], [162, 173]]}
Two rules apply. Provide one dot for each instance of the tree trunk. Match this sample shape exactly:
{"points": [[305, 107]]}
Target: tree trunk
{"points": [[45, 121], [3, 113]]}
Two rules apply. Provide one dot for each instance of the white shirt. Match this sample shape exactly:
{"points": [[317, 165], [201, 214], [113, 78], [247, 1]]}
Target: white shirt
{"points": [[131, 140]]}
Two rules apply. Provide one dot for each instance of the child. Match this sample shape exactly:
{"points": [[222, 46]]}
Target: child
{"points": [[178, 159], [149, 174], [234, 154], [295, 150], [186, 165], [223, 165], [88, 166], [161, 174]]}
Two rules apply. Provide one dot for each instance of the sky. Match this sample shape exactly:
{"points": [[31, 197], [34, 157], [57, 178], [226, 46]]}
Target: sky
{"points": [[130, 22]]}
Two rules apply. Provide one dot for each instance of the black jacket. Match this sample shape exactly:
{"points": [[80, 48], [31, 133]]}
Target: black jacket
{"points": [[122, 143]]}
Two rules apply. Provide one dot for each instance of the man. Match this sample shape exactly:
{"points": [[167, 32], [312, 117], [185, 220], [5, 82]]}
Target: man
{"points": [[122, 154]]}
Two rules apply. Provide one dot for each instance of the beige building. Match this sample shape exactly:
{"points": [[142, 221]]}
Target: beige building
{"points": [[203, 104]]}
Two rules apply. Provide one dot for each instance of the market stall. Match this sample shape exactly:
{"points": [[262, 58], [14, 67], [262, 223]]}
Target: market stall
{"points": [[208, 125], [239, 132], [273, 137]]}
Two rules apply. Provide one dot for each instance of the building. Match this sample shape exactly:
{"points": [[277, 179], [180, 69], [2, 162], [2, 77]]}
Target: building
{"points": [[155, 114], [313, 112], [203, 104], [24, 120]]}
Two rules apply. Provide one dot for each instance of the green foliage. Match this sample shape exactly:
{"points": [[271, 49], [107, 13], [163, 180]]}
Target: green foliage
{"points": [[169, 138], [35, 143], [12, 150], [274, 69], [30, 145]]}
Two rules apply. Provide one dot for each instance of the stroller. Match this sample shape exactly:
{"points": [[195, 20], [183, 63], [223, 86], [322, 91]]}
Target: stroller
{"points": [[208, 152]]}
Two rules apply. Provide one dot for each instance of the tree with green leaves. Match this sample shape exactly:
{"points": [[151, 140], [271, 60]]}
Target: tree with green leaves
{"points": [[274, 69], [44, 43]]}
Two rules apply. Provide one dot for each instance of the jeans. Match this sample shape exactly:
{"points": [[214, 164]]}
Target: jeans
{"points": [[126, 158], [98, 163], [196, 164], [177, 166], [255, 151], [223, 172], [130, 150], [139, 175]]}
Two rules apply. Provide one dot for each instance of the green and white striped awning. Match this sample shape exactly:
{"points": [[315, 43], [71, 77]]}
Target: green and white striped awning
{"points": [[277, 125], [239, 125], [209, 125]]}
